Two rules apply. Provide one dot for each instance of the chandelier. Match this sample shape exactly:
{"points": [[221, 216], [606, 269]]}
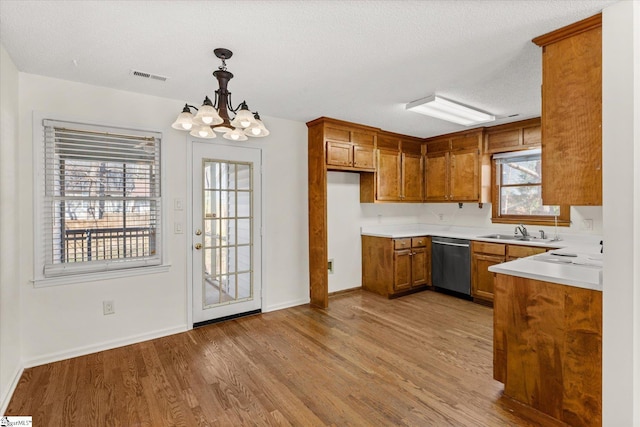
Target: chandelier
{"points": [[214, 116]]}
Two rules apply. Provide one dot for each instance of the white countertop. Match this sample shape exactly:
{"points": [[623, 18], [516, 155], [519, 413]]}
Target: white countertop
{"points": [[584, 270]]}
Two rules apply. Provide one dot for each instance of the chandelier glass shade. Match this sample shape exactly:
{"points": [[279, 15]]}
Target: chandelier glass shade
{"points": [[213, 117]]}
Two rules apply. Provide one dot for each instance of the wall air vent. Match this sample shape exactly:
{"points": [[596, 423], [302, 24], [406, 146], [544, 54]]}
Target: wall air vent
{"points": [[142, 74]]}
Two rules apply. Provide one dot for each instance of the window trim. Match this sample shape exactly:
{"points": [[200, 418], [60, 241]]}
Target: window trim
{"points": [[39, 279], [564, 219]]}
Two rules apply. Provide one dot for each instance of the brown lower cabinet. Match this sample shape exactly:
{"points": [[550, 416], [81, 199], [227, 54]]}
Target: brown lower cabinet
{"points": [[484, 255], [547, 347], [393, 267]]}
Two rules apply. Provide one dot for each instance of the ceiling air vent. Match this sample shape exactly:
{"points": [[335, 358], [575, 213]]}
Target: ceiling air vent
{"points": [[142, 74]]}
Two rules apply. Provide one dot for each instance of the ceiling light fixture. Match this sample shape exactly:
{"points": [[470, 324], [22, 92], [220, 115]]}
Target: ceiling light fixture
{"points": [[214, 116], [441, 108]]}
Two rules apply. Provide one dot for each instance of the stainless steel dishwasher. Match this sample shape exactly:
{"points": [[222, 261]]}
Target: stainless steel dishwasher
{"points": [[451, 264]]}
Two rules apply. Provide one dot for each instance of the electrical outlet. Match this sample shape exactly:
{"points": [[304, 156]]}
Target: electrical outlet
{"points": [[108, 307], [178, 204]]}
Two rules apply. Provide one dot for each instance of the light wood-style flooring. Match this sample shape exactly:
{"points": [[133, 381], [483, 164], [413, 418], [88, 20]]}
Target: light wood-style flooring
{"points": [[420, 360]]}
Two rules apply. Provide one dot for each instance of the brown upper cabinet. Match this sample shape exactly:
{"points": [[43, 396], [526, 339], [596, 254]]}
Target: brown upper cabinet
{"points": [[349, 148], [512, 136], [399, 170], [572, 114], [453, 166]]}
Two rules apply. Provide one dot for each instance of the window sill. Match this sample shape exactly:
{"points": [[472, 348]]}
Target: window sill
{"points": [[103, 275]]}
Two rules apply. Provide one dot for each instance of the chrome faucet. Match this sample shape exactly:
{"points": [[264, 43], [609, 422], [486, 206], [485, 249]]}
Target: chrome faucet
{"points": [[523, 230], [542, 235]]}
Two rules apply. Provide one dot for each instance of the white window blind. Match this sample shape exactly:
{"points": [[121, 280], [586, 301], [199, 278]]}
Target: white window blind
{"points": [[101, 207]]}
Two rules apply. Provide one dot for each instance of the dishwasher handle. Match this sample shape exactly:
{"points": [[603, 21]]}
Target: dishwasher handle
{"points": [[463, 245]]}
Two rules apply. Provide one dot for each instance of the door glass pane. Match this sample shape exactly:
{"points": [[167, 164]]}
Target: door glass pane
{"points": [[244, 285], [244, 206], [244, 177], [244, 258], [244, 231], [227, 252]]}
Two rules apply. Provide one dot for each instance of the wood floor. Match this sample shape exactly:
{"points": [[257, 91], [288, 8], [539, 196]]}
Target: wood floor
{"points": [[420, 360]]}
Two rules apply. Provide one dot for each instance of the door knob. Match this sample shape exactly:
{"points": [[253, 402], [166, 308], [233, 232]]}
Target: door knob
{"points": [[198, 246], [198, 232]]}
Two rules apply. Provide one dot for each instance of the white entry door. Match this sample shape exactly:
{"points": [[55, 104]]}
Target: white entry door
{"points": [[226, 231]]}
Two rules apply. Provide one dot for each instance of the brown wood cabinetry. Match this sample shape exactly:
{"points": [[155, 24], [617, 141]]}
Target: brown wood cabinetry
{"points": [[572, 114], [453, 167], [332, 145], [393, 267], [399, 170], [519, 251], [349, 149], [388, 176], [484, 255], [547, 347], [513, 136]]}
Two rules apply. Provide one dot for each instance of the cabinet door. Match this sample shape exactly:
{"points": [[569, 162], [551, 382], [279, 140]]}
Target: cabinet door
{"points": [[388, 176], [481, 277], [436, 177], [464, 176], [572, 120], [412, 177], [339, 154], [402, 270], [363, 157], [419, 267]]}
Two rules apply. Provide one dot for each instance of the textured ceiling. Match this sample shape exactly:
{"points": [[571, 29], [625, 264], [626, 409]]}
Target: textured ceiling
{"points": [[360, 61]]}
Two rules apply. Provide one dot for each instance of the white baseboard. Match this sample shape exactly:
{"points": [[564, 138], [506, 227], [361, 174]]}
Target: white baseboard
{"points": [[14, 383], [108, 345], [284, 305]]}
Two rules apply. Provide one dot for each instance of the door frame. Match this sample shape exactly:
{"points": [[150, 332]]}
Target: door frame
{"points": [[188, 229]]}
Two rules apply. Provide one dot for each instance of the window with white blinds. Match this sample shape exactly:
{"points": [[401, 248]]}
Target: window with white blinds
{"points": [[101, 207]]}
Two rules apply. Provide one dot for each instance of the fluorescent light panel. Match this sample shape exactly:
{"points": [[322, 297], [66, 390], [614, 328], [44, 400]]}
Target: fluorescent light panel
{"points": [[444, 109]]}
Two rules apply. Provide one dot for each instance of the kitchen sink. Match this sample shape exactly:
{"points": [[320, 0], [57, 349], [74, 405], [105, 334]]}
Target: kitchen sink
{"points": [[517, 238], [501, 237]]}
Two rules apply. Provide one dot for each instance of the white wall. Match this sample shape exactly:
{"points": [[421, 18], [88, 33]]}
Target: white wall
{"points": [[621, 207], [10, 345], [62, 321], [345, 216]]}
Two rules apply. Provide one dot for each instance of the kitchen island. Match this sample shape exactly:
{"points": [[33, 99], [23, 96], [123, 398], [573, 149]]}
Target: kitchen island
{"points": [[548, 334]]}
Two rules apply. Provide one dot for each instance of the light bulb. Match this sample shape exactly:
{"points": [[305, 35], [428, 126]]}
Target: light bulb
{"points": [[207, 120], [255, 130], [234, 136], [186, 126], [202, 132], [245, 123]]}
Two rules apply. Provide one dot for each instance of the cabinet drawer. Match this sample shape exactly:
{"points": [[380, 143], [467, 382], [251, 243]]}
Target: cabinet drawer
{"points": [[489, 248], [418, 242], [401, 243], [516, 251]]}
